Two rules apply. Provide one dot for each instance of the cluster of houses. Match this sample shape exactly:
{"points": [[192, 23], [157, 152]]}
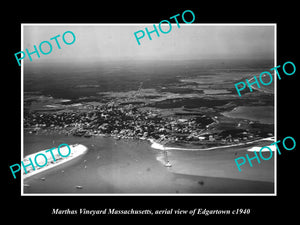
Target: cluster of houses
{"points": [[129, 121]]}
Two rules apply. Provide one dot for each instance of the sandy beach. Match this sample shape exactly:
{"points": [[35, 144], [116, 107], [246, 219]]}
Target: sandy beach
{"points": [[75, 151], [133, 167]]}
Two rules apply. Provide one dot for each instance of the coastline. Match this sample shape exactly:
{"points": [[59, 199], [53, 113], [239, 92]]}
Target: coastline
{"points": [[76, 151], [264, 90], [132, 167], [257, 149], [81, 149], [159, 146]]}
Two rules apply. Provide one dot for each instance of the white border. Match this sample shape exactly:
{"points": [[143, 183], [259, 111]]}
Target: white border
{"points": [[22, 111], [275, 108], [150, 194]]}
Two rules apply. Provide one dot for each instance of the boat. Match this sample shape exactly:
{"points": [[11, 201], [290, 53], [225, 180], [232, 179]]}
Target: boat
{"points": [[168, 164]]}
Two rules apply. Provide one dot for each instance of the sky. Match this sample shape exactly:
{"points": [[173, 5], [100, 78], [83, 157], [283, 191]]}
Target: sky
{"points": [[108, 42]]}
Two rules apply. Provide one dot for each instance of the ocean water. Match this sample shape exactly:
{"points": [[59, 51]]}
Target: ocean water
{"points": [[130, 166]]}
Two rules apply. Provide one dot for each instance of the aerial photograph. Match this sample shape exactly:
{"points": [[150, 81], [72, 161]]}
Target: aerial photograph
{"points": [[162, 117]]}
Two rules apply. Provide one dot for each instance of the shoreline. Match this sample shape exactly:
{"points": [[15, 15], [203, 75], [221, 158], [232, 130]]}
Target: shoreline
{"points": [[159, 146], [261, 89], [156, 145], [131, 167], [257, 149], [79, 150]]}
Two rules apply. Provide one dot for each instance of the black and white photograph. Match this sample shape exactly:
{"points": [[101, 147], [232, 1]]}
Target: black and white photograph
{"points": [[149, 112], [160, 117]]}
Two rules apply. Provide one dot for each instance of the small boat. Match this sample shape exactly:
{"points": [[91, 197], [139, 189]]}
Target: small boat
{"points": [[168, 164], [79, 187]]}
